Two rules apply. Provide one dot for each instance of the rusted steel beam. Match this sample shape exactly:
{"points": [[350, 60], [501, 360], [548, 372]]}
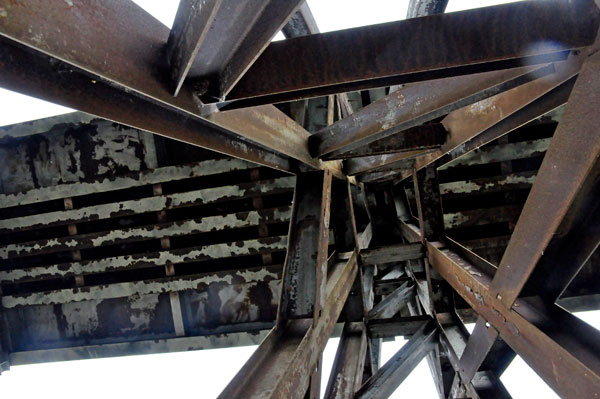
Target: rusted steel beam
{"points": [[413, 105], [301, 23], [392, 374], [319, 64], [429, 203], [116, 72], [393, 302], [38, 75], [383, 178], [343, 220], [145, 260], [272, 128], [573, 244], [278, 368], [308, 240], [416, 138], [192, 23], [568, 363], [473, 126], [391, 253], [155, 231], [143, 347], [395, 326], [485, 384], [570, 162], [149, 204], [480, 342], [238, 34], [120, 290], [347, 371], [421, 8], [137, 179], [381, 163]]}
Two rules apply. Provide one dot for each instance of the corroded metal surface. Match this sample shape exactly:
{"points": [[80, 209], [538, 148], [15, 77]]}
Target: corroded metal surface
{"points": [[502, 33], [563, 362], [567, 164], [414, 105]]}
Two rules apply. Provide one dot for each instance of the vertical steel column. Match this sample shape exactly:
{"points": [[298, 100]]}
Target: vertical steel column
{"points": [[305, 269]]}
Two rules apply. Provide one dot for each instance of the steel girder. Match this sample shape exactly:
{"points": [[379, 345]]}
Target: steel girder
{"points": [[320, 64]]}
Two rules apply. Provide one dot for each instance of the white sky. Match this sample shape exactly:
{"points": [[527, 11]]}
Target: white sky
{"points": [[205, 373]]}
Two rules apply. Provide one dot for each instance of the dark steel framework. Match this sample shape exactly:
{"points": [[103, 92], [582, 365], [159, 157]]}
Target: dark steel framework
{"points": [[367, 192]]}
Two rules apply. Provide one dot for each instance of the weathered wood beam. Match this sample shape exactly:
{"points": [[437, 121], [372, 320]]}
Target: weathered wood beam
{"points": [[129, 180], [570, 162], [394, 372], [144, 347], [192, 22], [144, 260], [568, 363], [287, 70], [413, 105]]}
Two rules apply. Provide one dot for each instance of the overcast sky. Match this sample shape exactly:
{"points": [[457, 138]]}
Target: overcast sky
{"points": [[203, 374]]}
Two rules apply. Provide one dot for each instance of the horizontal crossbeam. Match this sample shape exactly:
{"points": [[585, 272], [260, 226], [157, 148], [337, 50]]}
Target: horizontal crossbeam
{"points": [[418, 49]]}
